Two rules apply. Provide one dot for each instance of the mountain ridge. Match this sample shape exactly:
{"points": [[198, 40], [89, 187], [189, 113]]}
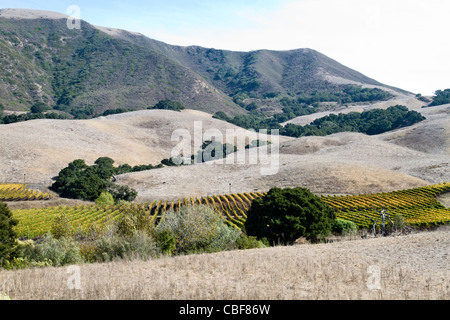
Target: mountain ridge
{"points": [[94, 69]]}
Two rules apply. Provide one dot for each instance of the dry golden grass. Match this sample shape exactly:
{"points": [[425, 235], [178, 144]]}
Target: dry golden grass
{"points": [[412, 267]]}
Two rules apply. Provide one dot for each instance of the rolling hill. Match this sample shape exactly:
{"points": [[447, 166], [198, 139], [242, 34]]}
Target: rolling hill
{"points": [[340, 163], [94, 69], [41, 148], [88, 71]]}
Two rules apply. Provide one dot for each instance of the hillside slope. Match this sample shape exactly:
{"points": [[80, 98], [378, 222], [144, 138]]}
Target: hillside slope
{"points": [[345, 163], [41, 148], [276, 71], [348, 163], [340, 163], [90, 71], [93, 69]]}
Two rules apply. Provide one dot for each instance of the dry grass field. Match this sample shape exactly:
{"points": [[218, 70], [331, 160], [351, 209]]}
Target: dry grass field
{"points": [[41, 148], [348, 163], [408, 267]]}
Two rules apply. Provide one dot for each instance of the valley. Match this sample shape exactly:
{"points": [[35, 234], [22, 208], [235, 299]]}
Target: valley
{"points": [[94, 93]]}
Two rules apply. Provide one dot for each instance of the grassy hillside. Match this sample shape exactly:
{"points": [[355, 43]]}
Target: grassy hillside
{"points": [[88, 71], [262, 75]]}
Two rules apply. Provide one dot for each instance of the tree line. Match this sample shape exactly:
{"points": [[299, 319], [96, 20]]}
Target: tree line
{"points": [[38, 111]]}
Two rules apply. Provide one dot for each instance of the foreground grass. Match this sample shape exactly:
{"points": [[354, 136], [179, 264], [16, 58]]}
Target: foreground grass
{"points": [[410, 267]]}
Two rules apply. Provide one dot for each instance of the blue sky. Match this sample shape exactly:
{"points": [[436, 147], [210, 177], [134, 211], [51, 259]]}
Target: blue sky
{"points": [[401, 43]]}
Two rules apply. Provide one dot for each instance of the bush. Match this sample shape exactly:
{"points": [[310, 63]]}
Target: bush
{"points": [[344, 227], [129, 237], [8, 243], [139, 245], [225, 239], [39, 107], [25, 263], [441, 97], [168, 105], [62, 227], [166, 242], [284, 215], [245, 242], [121, 193], [198, 229], [134, 219], [58, 252], [105, 199], [399, 222]]}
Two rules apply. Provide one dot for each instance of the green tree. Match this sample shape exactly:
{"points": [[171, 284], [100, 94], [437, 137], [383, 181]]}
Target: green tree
{"points": [[168, 105], [105, 198], [344, 227], [284, 215], [124, 193], [441, 97], [62, 227], [39, 107], [80, 181], [8, 236], [68, 175], [104, 167]]}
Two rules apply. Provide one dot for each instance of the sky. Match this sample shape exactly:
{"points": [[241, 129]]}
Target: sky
{"points": [[402, 43]]}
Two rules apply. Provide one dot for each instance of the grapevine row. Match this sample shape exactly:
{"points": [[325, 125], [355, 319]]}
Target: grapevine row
{"points": [[419, 207], [18, 192]]}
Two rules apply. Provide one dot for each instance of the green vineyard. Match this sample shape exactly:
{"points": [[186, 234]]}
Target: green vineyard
{"points": [[419, 207], [18, 192]]}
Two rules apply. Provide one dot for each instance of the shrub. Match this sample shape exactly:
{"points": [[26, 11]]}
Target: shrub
{"points": [[399, 222], [249, 242], [197, 229], [39, 107], [88, 251], [134, 219], [25, 263], [129, 237], [62, 227], [225, 239], [344, 227], [58, 252], [122, 193], [284, 215], [8, 248], [166, 242], [168, 105], [105, 199], [139, 245], [441, 97]]}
